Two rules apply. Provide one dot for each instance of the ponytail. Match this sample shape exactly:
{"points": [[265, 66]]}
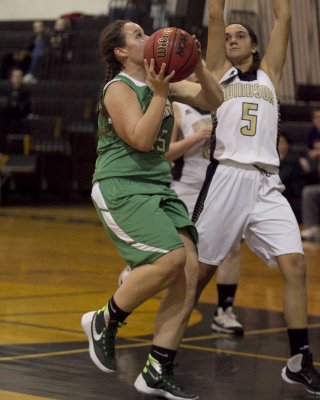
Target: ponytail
{"points": [[110, 38]]}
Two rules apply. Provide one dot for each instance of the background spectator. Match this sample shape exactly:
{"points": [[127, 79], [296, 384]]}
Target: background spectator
{"points": [[314, 134], [311, 213], [311, 193], [26, 59], [313, 143], [61, 40], [17, 103], [294, 172], [19, 59], [38, 45], [59, 50]]}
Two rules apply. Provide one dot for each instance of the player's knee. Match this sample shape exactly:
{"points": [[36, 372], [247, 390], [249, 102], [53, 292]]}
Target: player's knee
{"points": [[206, 272], [296, 272], [235, 252], [174, 266], [178, 264], [299, 269]]}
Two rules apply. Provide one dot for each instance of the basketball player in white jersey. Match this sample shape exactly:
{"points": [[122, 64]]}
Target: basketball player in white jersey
{"points": [[189, 151], [242, 191]]}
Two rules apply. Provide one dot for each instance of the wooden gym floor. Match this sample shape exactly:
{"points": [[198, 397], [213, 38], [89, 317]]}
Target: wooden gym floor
{"points": [[57, 263]]}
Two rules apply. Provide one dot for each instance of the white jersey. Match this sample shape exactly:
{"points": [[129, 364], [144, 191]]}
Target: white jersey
{"points": [[242, 135], [191, 167]]}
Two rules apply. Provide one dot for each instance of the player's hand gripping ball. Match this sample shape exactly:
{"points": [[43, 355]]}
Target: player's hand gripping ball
{"points": [[174, 47]]}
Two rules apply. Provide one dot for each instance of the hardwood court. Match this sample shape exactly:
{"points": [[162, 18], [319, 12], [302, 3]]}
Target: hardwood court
{"points": [[57, 263]]}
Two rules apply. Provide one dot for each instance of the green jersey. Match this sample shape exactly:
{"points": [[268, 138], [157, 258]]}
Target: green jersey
{"points": [[117, 159]]}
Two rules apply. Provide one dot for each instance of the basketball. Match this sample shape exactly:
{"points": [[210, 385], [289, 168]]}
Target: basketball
{"points": [[174, 47]]}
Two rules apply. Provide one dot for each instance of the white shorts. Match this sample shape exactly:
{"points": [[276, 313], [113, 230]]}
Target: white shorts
{"points": [[244, 202], [187, 193]]}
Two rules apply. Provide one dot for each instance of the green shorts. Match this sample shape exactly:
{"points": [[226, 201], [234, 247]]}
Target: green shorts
{"points": [[141, 218]]}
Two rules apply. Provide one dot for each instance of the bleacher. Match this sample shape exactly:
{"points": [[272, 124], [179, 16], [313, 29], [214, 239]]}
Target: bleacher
{"points": [[61, 126], [295, 122], [296, 118]]}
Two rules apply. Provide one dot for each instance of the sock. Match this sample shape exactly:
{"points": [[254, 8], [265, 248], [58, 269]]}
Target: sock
{"points": [[299, 341], [226, 294], [295, 363], [162, 355], [114, 312]]}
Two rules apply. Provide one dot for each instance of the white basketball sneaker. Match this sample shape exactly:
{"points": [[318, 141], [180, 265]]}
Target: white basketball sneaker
{"points": [[225, 321]]}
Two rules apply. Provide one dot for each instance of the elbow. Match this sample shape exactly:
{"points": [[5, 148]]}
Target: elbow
{"points": [[283, 14], [169, 156], [216, 101], [144, 147], [289, 19], [140, 145], [220, 100], [285, 17]]}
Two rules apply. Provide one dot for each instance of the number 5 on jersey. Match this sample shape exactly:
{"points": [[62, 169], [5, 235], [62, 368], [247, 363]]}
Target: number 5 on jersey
{"points": [[248, 114]]}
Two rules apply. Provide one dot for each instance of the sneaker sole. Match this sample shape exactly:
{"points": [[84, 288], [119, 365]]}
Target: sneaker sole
{"points": [[86, 321], [141, 387], [288, 380], [233, 331]]}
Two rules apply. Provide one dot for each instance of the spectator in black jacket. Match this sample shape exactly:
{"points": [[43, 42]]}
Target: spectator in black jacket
{"points": [[59, 49], [294, 171], [314, 132], [16, 107], [311, 193], [61, 40], [313, 143]]}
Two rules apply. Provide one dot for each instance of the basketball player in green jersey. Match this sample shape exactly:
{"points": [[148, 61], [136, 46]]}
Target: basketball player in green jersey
{"points": [[147, 222]]}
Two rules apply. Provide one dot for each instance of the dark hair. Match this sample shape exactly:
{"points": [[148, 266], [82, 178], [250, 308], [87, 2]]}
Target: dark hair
{"points": [[252, 34], [254, 40], [111, 37]]}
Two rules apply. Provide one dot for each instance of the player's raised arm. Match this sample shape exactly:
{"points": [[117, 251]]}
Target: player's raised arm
{"points": [[206, 94], [275, 56], [216, 58]]}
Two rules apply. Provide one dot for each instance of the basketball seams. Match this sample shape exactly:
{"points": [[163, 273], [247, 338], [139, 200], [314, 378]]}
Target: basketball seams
{"points": [[172, 50], [188, 59]]}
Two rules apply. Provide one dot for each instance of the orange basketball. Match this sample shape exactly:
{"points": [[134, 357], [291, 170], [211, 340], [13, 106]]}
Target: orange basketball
{"points": [[174, 47]]}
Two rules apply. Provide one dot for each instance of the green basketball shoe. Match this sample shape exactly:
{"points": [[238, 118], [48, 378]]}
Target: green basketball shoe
{"points": [[101, 339], [158, 380]]}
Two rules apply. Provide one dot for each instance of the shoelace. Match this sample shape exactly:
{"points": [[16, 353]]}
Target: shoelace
{"points": [[225, 318], [167, 368], [230, 313], [108, 336], [168, 376]]}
